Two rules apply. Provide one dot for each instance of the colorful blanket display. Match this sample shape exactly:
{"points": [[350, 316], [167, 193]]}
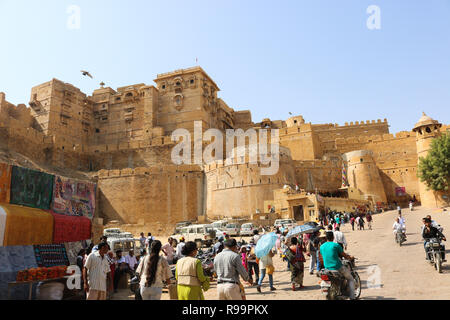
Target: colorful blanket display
{"points": [[5, 182], [12, 260], [72, 249], [51, 255], [26, 226], [36, 243], [31, 188], [73, 198], [70, 229]]}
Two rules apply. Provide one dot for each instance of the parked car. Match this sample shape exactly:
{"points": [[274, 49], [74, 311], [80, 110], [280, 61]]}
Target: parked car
{"points": [[232, 229], [124, 244], [203, 234], [247, 229], [285, 223], [112, 232], [180, 225], [220, 224]]}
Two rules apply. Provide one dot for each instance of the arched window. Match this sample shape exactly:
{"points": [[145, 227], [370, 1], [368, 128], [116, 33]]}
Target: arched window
{"points": [[428, 130]]}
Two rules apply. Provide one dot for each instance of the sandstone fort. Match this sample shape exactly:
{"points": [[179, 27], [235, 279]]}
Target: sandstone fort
{"points": [[121, 140]]}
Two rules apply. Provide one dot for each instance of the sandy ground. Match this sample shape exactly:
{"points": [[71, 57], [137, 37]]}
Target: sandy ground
{"points": [[387, 271]]}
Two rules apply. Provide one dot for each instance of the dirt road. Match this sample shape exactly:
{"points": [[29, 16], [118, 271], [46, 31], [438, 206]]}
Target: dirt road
{"points": [[387, 271]]}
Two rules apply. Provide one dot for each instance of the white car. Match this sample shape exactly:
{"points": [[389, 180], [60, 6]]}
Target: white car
{"points": [[200, 233], [232, 229], [285, 223], [247, 229], [220, 224]]}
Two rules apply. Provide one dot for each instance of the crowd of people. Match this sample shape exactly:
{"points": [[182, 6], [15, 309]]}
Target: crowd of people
{"points": [[102, 269], [236, 265]]}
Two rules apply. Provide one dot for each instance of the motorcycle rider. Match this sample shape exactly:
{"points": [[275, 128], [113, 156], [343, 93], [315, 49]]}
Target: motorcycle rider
{"points": [[430, 232], [399, 227], [332, 253], [402, 220], [435, 224]]}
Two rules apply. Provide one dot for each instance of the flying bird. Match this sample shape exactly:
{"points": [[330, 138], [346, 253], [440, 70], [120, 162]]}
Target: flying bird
{"points": [[290, 113], [86, 73]]}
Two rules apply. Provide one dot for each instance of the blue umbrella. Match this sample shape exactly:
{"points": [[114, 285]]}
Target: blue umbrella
{"points": [[265, 244], [306, 228]]}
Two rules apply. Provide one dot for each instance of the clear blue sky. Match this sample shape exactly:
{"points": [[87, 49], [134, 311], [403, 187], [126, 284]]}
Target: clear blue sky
{"points": [[316, 58]]}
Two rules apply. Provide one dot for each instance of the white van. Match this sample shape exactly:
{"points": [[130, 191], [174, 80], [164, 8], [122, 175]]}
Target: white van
{"points": [[112, 232], [285, 223], [233, 229], [124, 244], [220, 224], [203, 234]]}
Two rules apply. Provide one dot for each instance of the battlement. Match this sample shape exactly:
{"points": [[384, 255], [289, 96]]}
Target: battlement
{"points": [[362, 123], [359, 124]]}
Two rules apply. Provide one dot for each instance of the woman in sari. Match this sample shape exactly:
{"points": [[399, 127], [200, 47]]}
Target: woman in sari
{"points": [[296, 259], [191, 280]]}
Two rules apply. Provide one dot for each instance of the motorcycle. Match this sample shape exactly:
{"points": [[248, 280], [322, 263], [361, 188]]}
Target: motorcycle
{"points": [[135, 287], [207, 260], [334, 286], [435, 252], [400, 237], [135, 283]]}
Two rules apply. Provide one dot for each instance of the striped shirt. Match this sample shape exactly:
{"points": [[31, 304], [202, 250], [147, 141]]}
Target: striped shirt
{"points": [[97, 268], [228, 267]]}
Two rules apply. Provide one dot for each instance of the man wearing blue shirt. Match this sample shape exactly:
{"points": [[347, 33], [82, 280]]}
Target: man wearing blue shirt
{"points": [[332, 253]]}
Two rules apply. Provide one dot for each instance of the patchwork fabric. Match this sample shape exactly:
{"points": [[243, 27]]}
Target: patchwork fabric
{"points": [[73, 198], [5, 182], [50, 255], [70, 229], [27, 226], [31, 188], [12, 260], [72, 249]]}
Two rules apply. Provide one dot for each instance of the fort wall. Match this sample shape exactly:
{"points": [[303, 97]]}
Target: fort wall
{"points": [[320, 175], [155, 198], [239, 190]]}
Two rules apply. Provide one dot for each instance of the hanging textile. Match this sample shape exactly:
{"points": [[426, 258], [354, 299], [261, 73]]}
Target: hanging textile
{"points": [[70, 229], [31, 188], [72, 249], [26, 226], [5, 182], [73, 198], [344, 177]]}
